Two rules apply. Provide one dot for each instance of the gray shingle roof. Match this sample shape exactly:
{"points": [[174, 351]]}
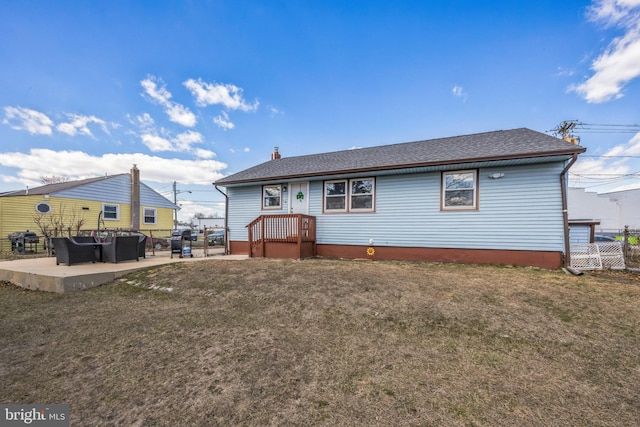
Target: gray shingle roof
{"points": [[497, 145]]}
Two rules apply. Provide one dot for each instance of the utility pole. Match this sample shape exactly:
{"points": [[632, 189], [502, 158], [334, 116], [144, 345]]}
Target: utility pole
{"points": [[175, 202], [564, 130]]}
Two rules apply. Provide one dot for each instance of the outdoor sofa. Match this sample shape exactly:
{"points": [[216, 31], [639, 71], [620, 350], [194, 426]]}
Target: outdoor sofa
{"points": [[69, 251], [121, 248], [79, 249]]}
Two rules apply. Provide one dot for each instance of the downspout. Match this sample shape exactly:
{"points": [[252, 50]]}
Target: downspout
{"points": [[226, 220], [565, 213]]}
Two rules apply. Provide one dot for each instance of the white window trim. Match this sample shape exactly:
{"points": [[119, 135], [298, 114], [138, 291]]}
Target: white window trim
{"points": [[443, 191], [278, 207], [347, 203], [155, 216], [117, 218]]}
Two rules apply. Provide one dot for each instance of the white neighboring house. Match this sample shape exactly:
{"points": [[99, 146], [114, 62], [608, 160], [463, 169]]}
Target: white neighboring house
{"points": [[614, 210]]}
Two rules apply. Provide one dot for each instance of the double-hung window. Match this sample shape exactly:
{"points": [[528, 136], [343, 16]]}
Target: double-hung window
{"points": [[335, 196], [460, 190], [272, 197], [349, 195], [110, 212], [361, 194], [150, 215]]}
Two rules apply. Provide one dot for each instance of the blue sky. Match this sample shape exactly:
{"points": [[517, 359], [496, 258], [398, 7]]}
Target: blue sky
{"points": [[190, 91]]}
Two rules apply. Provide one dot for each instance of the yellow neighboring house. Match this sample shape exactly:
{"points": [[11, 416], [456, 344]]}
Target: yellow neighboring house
{"points": [[116, 202]]}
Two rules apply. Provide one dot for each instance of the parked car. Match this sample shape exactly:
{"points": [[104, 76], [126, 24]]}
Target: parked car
{"points": [[603, 239], [156, 242], [216, 238]]}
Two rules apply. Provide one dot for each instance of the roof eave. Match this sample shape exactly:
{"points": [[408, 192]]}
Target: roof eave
{"points": [[571, 152]]}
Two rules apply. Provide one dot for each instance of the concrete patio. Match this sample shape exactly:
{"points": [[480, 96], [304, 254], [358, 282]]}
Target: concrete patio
{"points": [[43, 274]]}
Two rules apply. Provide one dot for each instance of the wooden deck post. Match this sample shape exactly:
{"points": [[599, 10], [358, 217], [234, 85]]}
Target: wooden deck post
{"points": [[299, 219], [262, 235]]}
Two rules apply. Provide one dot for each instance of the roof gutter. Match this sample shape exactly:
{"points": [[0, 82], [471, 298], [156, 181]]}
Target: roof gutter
{"points": [[226, 219], [565, 213]]}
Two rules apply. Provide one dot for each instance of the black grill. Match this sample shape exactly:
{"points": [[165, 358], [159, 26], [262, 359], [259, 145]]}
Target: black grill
{"points": [[22, 241]]}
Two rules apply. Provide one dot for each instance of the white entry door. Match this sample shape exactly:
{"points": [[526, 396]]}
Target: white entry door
{"points": [[299, 198]]}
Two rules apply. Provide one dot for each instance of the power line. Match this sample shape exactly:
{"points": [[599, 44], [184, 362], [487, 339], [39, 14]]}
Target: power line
{"points": [[610, 157], [567, 128]]}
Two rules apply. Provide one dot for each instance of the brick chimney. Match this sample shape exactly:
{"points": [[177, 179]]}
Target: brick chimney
{"points": [[275, 155], [135, 198]]}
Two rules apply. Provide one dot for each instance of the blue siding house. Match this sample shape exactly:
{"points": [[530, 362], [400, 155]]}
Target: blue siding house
{"points": [[496, 197]]}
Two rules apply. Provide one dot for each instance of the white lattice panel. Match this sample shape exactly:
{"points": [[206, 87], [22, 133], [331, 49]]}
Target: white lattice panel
{"points": [[611, 255], [596, 256], [585, 256]]}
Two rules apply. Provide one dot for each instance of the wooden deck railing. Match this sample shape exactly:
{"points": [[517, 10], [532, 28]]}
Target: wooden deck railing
{"points": [[282, 228]]}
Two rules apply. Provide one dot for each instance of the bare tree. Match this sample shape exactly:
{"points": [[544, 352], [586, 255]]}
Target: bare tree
{"points": [[53, 179], [57, 224]]}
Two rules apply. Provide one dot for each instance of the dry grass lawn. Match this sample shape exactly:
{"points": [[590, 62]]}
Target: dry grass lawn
{"points": [[330, 342]]}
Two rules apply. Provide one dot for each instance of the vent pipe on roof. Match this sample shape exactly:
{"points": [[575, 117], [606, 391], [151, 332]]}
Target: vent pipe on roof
{"points": [[275, 155], [135, 198]]}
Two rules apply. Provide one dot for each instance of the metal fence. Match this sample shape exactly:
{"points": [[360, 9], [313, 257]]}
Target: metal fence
{"points": [[157, 240]]}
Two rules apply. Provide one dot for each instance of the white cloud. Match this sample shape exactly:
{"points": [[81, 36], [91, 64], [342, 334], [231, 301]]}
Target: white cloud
{"points": [[183, 141], [273, 112], [32, 121], [145, 121], [246, 149], [223, 121], [458, 92], [79, 165], [227, 95], [157, 143], [588, 169], [612, 166], [204, 154], [160, 94], [78, 125], [182, 115], [178, 113], [612, 12], [620, 62], [631, 148]]}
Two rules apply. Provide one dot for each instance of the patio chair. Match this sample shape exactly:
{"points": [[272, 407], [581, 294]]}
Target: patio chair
{"points": [[68, 252], [142, 245], [122, 248]]}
